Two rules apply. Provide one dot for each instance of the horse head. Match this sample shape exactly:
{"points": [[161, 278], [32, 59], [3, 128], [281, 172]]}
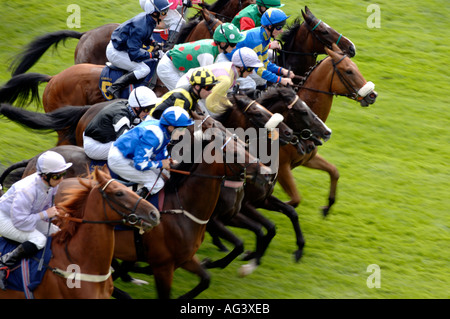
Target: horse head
{"points": [[349, 80], [257, 116], [124, 203], [326, 35]]}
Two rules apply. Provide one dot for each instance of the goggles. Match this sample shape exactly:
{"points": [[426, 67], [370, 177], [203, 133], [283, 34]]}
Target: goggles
{"points": [[249, 69], [164, 12], [146, 109], [208, 87], [55, 177]]}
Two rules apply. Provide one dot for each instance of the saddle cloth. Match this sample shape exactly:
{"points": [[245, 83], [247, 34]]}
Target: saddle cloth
{"points": [[25, 276], [110, 74]]}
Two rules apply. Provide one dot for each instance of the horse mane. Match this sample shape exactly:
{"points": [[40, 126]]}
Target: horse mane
{"points": [[217, 6], [275, 94], [73, 206], [187, 28], [308, 73], [176, 180], [289, 34]]}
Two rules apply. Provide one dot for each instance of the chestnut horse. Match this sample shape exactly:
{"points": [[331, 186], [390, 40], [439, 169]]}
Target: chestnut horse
{"points": [[336, 75], [92, 207]]}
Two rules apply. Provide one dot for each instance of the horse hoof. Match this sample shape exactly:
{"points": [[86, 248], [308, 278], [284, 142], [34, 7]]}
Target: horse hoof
{"points": [[139, 282], [298, 254], [325, 211], [207, 262], [247, 269]]}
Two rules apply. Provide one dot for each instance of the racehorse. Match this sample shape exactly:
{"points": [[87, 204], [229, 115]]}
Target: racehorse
{"points": [[302, 42], [336, 75], [175, 240], [307, 126], [91, 209], [91, 47]]}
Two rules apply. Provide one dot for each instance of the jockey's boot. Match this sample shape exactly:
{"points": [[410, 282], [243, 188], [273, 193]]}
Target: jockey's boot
{"points": [[8, 260], [121, 83]]}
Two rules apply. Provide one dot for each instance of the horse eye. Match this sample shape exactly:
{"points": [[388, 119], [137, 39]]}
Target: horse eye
{"points": [[119, 193], [349, 71]]}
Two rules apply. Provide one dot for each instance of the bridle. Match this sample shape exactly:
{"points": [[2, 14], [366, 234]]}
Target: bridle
{"points": [[130, 218], [353, 93]]}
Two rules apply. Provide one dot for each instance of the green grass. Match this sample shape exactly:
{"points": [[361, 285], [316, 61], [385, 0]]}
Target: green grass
{"points": [[393, 205]]}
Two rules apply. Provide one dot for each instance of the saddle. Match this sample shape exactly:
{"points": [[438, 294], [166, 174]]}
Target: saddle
{"points": [[26, 275], [111, 73]]}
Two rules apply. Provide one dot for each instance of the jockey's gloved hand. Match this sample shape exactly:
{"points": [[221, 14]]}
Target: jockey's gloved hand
{"points": [[156, 54], [187, 3]]}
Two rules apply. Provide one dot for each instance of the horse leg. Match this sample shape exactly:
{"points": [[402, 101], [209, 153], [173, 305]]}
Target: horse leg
{"points": [[163, 279], [318, 162], [195, 267], [218, 229], [274, 204], [287, 182], [262, 243]]}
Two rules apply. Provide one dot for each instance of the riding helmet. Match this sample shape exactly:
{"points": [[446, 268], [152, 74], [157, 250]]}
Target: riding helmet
{"points": [[175, 116], [229, 33], [51, 162], [274, 16]]}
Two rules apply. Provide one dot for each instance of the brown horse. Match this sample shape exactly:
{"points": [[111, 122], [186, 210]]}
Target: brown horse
{"points": [[92, 207], [174, 242], [335, 75], [308, 126], [91, 47]]}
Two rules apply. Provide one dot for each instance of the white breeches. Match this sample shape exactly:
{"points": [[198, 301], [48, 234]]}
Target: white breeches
{"points": [[96, 150], [122, 60], [168, 73], [124, 168], [37, 237]]}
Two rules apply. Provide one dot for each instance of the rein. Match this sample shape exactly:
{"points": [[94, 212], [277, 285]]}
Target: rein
{"points": [[127, 218]]}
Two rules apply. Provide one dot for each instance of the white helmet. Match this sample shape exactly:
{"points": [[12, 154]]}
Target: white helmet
{"points": [[142, 96], [247, 58], [51, 162], [147, 6]]}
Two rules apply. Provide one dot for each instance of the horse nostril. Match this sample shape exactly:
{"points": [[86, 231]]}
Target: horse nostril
{"points": [[352, 51], [287, 133]]}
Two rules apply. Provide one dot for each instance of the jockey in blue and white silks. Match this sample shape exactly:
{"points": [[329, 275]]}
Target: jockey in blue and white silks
{"points": [[140, 154]]}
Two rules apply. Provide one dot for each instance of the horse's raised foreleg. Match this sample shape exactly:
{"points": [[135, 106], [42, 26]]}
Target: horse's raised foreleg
{"points": [[287, 182], [318, 162], [195, 267], [217, 228], [274, 204]]}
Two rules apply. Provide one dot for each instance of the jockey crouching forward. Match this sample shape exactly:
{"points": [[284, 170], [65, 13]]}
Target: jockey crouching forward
{"points": [[125, 50], [141, 154], [114, 120], [200, 85], [258, 39], [183, 57], [26, 208], [242, 64]]}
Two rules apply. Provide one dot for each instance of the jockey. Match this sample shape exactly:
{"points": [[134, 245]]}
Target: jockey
{"points": [[242, 63], [116, 119], [173, 20], [185, 56], [250, 17], [27, 207], [141, 154], [258, 39], [200, 86], [125, 50]]}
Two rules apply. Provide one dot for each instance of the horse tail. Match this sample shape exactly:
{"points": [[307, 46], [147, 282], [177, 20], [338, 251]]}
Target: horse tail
{"points": [[63, 119], [7, 171], [20, 87], [34, 50]]}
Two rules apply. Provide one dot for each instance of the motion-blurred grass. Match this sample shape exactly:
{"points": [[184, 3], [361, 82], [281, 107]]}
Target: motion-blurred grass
{"points": [[392, 208]]}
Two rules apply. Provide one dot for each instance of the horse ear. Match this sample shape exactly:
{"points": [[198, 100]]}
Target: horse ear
{"points": [[334, 52]]}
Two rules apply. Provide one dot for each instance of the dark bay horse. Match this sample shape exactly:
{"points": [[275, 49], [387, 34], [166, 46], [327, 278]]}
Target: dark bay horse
{"points": [[302, 42], [303, 120], [335, 75], [174, 242], [90, 209]]}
